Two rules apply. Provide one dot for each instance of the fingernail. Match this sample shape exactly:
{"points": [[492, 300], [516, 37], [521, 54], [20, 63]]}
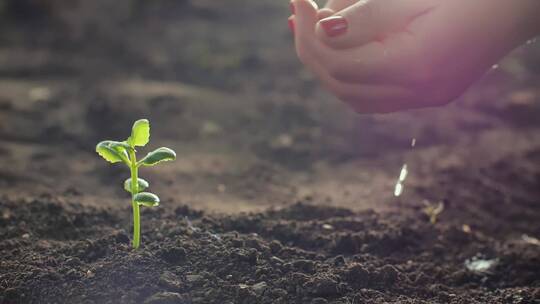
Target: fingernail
{"points": [[334, 26], [291, 24], [291, 6]]}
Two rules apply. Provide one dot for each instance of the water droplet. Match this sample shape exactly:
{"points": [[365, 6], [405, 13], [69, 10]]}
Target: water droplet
{"points": [[327, 227], [495, 66], [480, 265], [398, 190], [215, 236], [403, 173], [400, 184]]}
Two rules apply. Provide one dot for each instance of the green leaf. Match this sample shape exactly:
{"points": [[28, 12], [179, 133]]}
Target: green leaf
{"points": [[140, 133], [121, 148], [119, 145], [142, 184], [146, 199], [111, 152], [157, 156]]}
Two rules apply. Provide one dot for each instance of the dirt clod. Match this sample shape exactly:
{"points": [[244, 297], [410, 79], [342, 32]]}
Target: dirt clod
{"points": [[173, 255], [167, 298]]}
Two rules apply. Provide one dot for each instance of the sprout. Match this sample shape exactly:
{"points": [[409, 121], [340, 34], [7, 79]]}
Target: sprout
{"points": [[116, 152], [433, 211]]}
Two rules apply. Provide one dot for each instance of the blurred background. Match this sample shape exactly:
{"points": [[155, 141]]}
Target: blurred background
{"points": [[221, 85]]}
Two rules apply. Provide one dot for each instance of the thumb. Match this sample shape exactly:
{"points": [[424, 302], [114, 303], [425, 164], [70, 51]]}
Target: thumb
{"points": [[369, 20]]}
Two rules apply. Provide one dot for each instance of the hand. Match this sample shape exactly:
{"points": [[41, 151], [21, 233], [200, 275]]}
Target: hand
{"points": [[387, 55], [333, 6]]}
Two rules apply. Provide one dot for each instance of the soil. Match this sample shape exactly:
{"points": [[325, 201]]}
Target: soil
{"points": [[280, 194]]}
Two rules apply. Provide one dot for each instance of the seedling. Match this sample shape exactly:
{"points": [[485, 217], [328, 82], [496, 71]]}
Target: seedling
{"points": [[124, 152], [433, 211]]}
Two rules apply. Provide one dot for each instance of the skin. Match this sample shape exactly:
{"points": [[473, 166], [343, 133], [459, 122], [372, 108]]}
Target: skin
{"points": [[403, 54]]}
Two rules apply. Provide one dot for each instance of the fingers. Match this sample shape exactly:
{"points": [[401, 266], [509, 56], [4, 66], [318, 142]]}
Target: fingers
{"points": [[371, 98], [304, 22], [368, 63], [369, 20], [394, 62], [305, 17], [338, 5], [358, 76], [333, 6], [325, 13]]}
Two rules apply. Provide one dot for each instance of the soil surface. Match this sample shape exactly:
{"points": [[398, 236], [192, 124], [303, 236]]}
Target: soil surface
{"points": [[280, 194]]}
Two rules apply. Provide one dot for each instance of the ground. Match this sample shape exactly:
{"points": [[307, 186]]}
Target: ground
{"points": [[280, 194]]}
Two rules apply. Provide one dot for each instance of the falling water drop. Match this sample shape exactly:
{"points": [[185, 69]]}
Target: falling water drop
{"points": [[398, 190], [400, 184], [480, 265], [403, 173]]}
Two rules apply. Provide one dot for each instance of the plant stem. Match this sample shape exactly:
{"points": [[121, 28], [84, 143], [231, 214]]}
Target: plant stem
{"points": [[134, 190], [136, 225]]}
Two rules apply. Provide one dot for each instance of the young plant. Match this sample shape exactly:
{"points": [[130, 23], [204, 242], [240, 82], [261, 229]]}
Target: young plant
{"points": [[124, 152], [433, 211]]}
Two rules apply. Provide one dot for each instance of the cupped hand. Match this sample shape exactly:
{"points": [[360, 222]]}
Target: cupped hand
{"points": [[333, 6], [387, 55]]}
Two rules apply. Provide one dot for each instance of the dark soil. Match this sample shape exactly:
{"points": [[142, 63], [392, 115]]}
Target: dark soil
{"points": [[279, 195], [58, 251]]}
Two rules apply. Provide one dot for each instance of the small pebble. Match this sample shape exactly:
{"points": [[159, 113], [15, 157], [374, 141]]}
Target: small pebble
{"points": [[192, 278], [173, 255], [170, 281], [275, 247], [259, 288]]}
